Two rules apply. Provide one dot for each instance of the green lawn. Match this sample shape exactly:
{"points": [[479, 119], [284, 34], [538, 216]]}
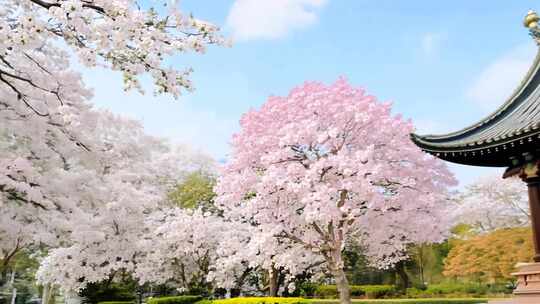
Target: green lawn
{"points": [[405, 301]]}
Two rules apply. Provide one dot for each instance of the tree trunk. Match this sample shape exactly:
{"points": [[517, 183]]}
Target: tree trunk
{"points": [[421, 261], [45, 294], [51, 294], [14, 290], [273, 282], [342, 285], [400, 270], [13, 295]]}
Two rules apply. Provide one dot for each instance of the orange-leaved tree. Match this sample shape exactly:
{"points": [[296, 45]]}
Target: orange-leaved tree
{"points": [[490, 257]]}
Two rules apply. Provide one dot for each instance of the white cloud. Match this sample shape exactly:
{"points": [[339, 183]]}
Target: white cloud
{"points": [[430, 43], [271, 19], [499, 79]]}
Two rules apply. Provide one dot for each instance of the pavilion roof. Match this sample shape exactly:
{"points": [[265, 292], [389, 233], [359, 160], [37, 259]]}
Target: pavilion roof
{"points": [[506, 138]]}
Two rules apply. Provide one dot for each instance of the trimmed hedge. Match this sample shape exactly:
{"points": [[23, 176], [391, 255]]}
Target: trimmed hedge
{"points": [[407, 301], [257, 300], [458, 290], [376, 291], [174, 300], [368, 291]]}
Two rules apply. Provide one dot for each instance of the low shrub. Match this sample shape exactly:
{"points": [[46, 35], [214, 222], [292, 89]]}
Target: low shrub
{"points": [[455, 288], [356, 291], [368, 291], [174, 300], [257, 300], [116, 302], [307, 289], [103, 292], [458, 290], [416, 293], [326, 291], [378, 291]]}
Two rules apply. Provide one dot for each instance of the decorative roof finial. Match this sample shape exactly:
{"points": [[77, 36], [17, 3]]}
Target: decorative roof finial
{"points": [[531, 22]]}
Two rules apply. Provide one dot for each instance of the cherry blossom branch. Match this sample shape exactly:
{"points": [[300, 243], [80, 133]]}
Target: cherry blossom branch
{"points": [[7, 258], [15, 195], [87, 4]]}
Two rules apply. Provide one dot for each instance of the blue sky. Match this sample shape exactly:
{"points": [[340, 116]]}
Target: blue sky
{"points": [[444, 64]]}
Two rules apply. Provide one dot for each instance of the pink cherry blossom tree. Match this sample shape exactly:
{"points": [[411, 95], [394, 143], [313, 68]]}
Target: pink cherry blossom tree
{"points": [[328, 165]]}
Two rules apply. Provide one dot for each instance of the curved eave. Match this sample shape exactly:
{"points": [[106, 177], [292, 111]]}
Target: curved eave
{"points": [[505, 138], [532, 73], [504, 153]]}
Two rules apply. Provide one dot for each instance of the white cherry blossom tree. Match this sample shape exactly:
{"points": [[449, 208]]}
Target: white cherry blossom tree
{"points": [[44, 107], [73, 178], [492, 203], [91, 208]]}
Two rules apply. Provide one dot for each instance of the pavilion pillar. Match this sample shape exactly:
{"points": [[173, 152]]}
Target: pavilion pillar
{"points": [[528, 274], [534, 205]]}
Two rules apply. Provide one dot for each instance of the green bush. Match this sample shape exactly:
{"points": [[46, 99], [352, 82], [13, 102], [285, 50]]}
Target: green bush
{"points": [[415, 293], [378, 291], [459, 290], [116, 302], [326, 291], [356, 291], [369, 291], [466, 288], [103, 292], [307, 289], [407, 301], [257, 300], [174, 300]]}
